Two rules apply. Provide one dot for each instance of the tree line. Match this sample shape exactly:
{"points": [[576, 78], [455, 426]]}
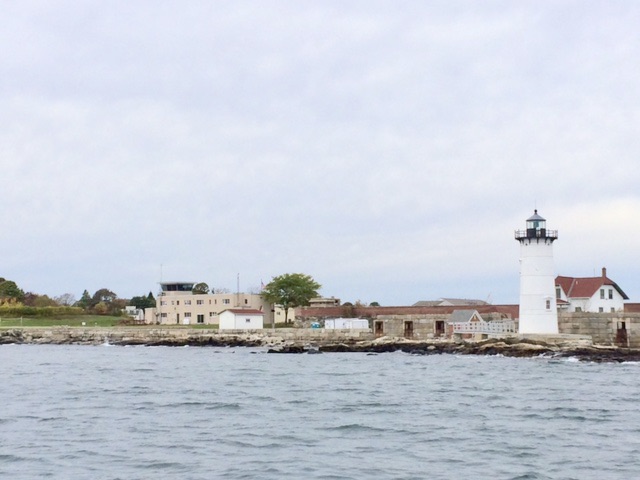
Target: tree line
{"points": [[289, 290], [103, 302]]}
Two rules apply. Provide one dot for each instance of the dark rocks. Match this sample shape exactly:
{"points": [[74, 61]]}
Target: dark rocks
{"points": [[602, 355], [278, 343], [287, 349], [8, 337]]}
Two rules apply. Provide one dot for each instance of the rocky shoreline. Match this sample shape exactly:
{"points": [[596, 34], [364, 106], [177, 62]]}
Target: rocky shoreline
{"points": [[304, 342], [522, 349]]}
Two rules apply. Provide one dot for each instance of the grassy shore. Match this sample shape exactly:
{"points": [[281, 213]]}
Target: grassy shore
{"points": [[95, 321], [70, 321]]}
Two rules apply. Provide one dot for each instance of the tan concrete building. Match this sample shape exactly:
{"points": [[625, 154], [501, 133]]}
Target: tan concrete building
{"points": [[177, 305]]}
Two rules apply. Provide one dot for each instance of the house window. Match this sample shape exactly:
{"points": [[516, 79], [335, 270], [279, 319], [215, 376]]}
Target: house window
{"points": [[187, 314], [246, 301], [212, 314], [187, 302], [177, 302], [163, 302], [610, 294], [600, 309], [558, 294], [163, 315], [548, 304], [578, 309], [247, 320], [226, 301], [602, 293], [200, 318], [199, 302]]}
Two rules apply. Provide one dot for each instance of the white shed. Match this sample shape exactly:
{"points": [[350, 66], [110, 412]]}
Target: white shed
{"points": [[346, 323], [241, 319]]}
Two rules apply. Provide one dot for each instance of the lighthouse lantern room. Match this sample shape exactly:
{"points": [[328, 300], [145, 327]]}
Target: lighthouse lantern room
{"points": [[538, 312]]}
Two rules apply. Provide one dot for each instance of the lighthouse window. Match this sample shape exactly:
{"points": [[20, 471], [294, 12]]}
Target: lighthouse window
{"points": [[548, 304]]}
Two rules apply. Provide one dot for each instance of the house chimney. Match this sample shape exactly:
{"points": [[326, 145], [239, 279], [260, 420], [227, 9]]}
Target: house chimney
{"points": [[604, 272]]}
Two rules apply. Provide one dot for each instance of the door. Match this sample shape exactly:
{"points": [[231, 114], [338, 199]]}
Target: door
{"points": [[408, 329], [378, 329], [622, 340]]}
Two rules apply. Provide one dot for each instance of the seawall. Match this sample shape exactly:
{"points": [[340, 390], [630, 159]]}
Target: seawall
{"points": [[178, 336]]}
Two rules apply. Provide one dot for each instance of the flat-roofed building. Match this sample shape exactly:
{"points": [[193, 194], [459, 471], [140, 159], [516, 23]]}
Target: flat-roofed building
{"points": [[178, 305]]}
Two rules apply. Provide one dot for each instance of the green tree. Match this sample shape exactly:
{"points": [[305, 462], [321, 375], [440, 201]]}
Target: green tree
{"points": [[10, 290], [85, 300], [104, 301], [200, 289], [103, 295], [101, 308], [143, 301], [290, 290]]}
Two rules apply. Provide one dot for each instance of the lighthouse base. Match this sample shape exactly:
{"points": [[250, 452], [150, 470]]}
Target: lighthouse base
{"points": [[538, 324]]}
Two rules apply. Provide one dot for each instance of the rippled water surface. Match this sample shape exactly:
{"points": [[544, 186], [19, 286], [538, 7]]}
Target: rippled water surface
{"points": [[78, 412]]}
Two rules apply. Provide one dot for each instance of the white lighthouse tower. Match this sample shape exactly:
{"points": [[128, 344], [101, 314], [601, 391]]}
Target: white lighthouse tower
{"points": [[538, 312]]}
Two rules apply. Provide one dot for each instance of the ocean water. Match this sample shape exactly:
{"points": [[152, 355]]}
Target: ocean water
{"points": [[80, 412]]}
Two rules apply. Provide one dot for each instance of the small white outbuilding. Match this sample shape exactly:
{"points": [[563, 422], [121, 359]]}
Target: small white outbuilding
{"points": [[241, 319], [346, 324]]}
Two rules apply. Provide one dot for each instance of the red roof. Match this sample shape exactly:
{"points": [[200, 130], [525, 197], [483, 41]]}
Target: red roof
{"points": [[586, 287], [632, 307]]}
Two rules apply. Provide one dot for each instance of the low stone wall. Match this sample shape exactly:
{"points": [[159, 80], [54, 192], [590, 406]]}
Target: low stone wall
{"points": [[603, 327], [424, 325], [178, 336]]}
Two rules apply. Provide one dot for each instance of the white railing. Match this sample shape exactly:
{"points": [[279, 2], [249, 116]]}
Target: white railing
{"points": [[508, 326]]}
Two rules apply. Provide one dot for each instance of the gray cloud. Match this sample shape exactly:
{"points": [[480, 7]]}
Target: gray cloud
{"points": [[388, 149]]}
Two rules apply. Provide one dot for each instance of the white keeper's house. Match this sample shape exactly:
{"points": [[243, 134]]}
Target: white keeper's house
{"points": [[589, 294]]}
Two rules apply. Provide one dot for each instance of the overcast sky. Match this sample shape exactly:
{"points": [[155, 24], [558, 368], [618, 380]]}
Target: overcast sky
{"points": [[387, 148]]}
